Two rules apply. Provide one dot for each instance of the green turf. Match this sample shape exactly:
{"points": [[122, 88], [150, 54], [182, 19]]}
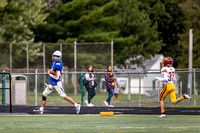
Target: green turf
{"points": [[54, 98], [101, 124], [99, 97]]}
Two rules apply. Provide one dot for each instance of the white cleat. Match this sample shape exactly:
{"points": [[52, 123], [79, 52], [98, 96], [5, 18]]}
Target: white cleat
{"points": [[90, 105], [39, 111], [187, 97], [78, 108], [106, 103], [162, 116]]}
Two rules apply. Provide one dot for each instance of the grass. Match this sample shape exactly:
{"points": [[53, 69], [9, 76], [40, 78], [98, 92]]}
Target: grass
{"points": [[121, 101], [54, 98], [99, 124], [98, 97]]}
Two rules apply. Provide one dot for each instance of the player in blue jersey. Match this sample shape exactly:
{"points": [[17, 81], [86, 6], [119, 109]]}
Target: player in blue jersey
{"points": [[56, 84]]}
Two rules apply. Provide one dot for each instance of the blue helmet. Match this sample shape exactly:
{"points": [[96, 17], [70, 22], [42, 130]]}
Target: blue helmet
{"points": [[57, 53]]}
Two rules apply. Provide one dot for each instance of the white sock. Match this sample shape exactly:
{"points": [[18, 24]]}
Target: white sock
{"points": [[41, 108], [75, 104]]}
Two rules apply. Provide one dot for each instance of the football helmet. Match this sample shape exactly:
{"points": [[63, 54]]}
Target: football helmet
{"points": [[168, 61], [57, 53]]}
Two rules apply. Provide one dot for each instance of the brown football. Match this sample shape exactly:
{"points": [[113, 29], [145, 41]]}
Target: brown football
{"points": [[52, 72]]}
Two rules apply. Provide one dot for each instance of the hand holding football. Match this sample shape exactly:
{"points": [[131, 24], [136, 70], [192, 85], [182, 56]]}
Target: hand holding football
{"points": [[50, 71]]}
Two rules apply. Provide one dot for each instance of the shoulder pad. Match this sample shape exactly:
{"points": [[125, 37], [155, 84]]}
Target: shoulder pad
{"points": [[173, 68], [163, 71]]}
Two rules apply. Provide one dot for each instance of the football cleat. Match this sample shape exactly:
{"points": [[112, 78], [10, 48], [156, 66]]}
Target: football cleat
{"points": [[78, 108], [90, 105], [106, 103], [162, 116], [39, 111], [187, 97]]}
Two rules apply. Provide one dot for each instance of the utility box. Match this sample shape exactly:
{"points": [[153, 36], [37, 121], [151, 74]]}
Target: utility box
{"points": [[18, 90]]}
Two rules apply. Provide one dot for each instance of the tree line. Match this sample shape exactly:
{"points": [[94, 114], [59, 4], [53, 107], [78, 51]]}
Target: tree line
{"points": [[139, 28]]}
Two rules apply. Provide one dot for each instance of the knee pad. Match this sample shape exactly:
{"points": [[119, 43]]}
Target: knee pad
{"points": [[44, 98]]}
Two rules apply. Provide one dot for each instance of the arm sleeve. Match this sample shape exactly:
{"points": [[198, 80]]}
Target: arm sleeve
{"points": [[87, 77], [164, 75]]}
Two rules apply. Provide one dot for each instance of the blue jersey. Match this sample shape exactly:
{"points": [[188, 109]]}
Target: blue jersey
{"points": [[56, 66]]}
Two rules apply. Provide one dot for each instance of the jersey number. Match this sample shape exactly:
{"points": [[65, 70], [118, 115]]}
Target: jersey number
{"points": [[171, 76]]}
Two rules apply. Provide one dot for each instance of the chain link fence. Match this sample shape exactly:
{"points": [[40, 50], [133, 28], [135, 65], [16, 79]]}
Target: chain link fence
{"points": [[137, 89], [75, 55]]}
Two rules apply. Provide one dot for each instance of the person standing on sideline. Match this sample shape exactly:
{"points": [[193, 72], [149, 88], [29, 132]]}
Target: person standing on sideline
{"points": [[90, 77], [110, 85], [168, 78], [56, 84]]}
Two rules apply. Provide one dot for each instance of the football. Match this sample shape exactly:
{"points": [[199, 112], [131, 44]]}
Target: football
{"points": [[52, 72]]}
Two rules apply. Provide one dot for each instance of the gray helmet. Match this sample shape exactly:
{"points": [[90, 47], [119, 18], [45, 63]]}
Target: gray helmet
{"points": [[57, 53]]}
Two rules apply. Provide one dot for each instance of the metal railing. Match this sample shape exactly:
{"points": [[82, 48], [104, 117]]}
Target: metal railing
{"points": [[6, 76], [136, 88]]}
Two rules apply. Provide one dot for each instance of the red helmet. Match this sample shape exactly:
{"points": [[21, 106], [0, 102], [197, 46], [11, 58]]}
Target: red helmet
{"points": [[168, 61]]}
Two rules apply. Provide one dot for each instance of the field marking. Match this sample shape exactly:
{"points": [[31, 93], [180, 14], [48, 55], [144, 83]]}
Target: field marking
{"points": [[133, 131], [183, 127], [174, 130], [128, 127], [135, 127]]}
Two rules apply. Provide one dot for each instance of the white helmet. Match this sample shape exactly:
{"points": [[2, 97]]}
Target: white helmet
{"points": [[57, 53]]}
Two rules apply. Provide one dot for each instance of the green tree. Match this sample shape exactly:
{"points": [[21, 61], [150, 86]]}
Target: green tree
{"points": [[18, 17], [137, 37], [103, 21], [191, 10], [169, 18]]}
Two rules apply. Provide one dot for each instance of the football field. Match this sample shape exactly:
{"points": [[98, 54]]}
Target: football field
{"points": [[100, 124]]}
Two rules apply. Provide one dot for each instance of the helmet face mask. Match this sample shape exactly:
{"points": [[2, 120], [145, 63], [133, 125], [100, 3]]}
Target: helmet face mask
{"points": [[168, 61], [58, 54]]}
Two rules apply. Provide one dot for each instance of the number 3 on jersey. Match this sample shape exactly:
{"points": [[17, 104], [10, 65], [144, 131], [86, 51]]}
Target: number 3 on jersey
{"points": [[171, 76]]}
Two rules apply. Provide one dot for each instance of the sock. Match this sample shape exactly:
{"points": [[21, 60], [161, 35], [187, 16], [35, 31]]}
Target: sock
{"points": [[75, 104], [182, 98], [41, 108], [163, 111], [116, 95]]}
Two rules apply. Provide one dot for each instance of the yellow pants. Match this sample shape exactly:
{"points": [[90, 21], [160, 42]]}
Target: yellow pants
{"points": [[168, 89]]}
